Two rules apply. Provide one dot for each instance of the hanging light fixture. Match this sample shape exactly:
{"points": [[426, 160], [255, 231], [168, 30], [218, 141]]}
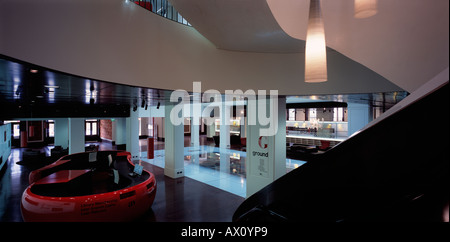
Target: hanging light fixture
{"points": [[365, 8], [316, 52]]}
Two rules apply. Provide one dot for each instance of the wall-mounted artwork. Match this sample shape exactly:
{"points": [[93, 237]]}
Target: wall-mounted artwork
{"points": [[35, 131]]}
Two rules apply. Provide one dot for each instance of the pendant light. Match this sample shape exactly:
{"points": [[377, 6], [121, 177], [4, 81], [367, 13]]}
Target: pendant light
{"points": [[365, 8], [316, 52]]}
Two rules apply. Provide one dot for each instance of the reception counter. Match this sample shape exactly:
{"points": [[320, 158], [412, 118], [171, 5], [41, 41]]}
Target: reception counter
{"points": [[89, 186]]}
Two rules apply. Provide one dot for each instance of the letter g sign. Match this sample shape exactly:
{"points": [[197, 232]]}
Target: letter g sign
{"points": [[262, 141]]}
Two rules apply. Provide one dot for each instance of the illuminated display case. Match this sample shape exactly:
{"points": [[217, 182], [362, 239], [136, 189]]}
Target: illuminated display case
{"points": [[235, 126]]}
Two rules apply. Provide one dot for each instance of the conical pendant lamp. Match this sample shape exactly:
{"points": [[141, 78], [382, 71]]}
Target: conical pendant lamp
{"points": [[316, 52]]}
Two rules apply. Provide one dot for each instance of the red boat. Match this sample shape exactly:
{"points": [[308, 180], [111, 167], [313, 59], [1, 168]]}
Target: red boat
{"points": [[89, 186]]}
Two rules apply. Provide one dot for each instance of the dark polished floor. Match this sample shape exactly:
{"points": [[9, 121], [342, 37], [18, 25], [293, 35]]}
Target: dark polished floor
{"points": [[187, 200], [177, 200]]}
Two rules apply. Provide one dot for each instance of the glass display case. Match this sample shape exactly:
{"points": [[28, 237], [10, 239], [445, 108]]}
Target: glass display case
{"points": [[235, 126]]}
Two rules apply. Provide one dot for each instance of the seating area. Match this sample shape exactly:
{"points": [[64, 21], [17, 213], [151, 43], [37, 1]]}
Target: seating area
{"points": [[91, 148], [58, 152], [51, 154], [32, 155], [305, 151], [235, 140]]}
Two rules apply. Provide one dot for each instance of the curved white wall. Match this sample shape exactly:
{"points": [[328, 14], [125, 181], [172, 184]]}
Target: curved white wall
{"points": [[405, 42], [118, 41]]}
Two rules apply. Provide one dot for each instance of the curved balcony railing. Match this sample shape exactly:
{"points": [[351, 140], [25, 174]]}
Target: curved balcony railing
{"points": [[162, 8]]}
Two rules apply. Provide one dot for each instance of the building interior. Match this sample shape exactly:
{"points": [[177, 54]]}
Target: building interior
{"points": [[88, 76]]}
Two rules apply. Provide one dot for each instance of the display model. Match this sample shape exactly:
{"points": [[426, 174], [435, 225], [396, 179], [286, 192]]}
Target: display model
{"points": [[89, 186]]}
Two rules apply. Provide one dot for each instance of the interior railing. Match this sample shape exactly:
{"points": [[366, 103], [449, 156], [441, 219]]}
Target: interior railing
{"points": [[162, 8]]}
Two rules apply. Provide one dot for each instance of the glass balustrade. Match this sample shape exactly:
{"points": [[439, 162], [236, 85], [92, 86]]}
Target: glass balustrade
{"points": [[162, 8], [317, 128]]}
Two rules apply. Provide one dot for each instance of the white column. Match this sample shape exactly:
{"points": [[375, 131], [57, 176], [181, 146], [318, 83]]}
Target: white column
{"points": [[210, 130], [224, 126], [62, 132], [196, 121], [195, 135], [358, 116], [266, 155], [144, 124], [120, 132], [113, 131], [225, 162], [243, 125], [132, 134], [5, 145], [195, 140], [76, 135], [195, 125], [173, 146]]}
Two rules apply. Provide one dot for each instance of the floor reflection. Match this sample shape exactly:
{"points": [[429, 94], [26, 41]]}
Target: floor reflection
{"points": [[221, 168], [228, 161]]}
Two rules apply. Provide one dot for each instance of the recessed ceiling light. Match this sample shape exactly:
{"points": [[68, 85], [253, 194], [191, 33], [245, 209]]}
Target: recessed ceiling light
{"points": [[33, 71], [49, 86]]}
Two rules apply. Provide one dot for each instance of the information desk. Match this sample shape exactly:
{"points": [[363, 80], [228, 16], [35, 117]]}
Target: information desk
{"points": [[89, 186], [63, 176]]}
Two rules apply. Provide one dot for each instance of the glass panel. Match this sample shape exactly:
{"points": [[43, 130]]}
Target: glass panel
{"points": [[51, 130], [312, 113], [162, 8], [317, 129], [158, 7], [16, 131], [94, 129], [88, 128], [165, 9], [140, 128], [291, 114], [175, 15], [169, 11]]}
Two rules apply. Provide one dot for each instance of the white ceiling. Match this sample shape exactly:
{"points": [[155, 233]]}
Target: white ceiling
{"points": [[238, 25], [406, 42], [120, 42]]}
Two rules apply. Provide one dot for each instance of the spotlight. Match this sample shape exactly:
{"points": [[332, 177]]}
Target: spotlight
{"points": [[146, 106], [143, 103], [135, 105], [157, 107]]}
